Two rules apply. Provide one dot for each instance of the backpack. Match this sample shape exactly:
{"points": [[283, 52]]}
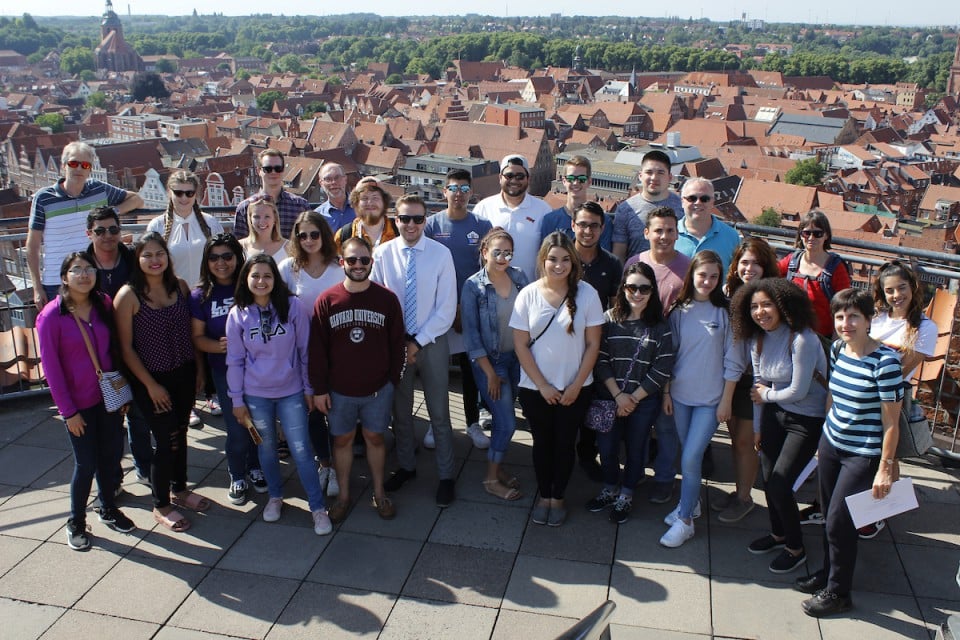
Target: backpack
{"points": [[826, 274]]}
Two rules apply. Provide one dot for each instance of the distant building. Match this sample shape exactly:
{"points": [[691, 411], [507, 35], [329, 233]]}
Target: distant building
{"points": [[114, 53], [953, 81], [426, 176]]}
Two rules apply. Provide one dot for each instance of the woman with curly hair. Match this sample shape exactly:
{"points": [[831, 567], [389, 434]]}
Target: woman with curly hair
{"points": [[556, 325], [775, 318], [753, 259]]}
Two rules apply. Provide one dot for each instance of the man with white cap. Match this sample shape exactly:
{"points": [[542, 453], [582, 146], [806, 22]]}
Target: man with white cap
{"points": [[516, 211]]}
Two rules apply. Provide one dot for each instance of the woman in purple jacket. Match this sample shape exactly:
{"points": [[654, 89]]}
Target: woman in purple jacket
{"points": [[267, 333], [96, 435]]}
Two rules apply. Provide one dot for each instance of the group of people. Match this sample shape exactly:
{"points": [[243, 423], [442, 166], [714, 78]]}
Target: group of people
{"points": [[321, 321]]}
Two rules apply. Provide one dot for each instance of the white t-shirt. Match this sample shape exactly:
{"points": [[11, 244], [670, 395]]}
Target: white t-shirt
{"points": [[892, 332], [305, 286], [523, 225], [186, 243], [558, 354]]}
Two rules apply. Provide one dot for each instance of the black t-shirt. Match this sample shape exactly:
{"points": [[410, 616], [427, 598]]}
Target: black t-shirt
{"points": [[604, 275]]}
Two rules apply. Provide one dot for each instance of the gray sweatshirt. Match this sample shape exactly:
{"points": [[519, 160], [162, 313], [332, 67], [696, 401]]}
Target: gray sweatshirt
{"points": [[788, 371], [706, 355]]}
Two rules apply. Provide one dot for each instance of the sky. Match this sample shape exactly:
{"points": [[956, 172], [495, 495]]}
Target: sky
{"points": [[878, 12]]}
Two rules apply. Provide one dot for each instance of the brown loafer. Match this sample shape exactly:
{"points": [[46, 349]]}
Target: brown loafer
{"points": [[385, 508], [338, 511]]}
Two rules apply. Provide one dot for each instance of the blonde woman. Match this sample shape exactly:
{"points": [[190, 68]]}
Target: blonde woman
{"points": [[263, 221]]}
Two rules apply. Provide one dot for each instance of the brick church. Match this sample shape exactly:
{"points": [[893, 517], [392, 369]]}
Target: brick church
{"points": [[114, 53]]}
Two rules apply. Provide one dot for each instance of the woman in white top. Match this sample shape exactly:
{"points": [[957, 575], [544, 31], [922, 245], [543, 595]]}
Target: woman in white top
{"points": [[311, 269], [185, 228], [557, 324], [900, 322], [264, 237]]}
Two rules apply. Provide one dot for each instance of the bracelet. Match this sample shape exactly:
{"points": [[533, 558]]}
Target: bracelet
{"points": [[619, 393], [666, 393], [889, 461]]}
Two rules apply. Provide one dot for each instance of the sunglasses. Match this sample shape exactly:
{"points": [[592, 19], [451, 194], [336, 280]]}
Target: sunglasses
{"points": [[184, 194], [352, 260], [514, 176], [226, 256], [580, 179], [413, 219], [692, 199], [813, 233], [82, 271], [83, 164], [113, 230], [642, 289], [583, 226], [272, 168], [500, 254], [303, 235], [462, 188]]}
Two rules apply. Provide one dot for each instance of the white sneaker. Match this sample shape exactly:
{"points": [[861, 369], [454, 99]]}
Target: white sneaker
{"points": [[480, 439], [674, 515], [194, 419], [324, 473], [486, 420], [333, 487], [428, 441], [212, 406], [678, 533], [271, 512], [321, 523]]}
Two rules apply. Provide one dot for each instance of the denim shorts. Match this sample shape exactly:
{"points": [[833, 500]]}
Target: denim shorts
{"points": [[372, 411]]}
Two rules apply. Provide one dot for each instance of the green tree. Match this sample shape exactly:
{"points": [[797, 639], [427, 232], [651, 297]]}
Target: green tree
{"points": [[148, 85], [86, 75], [97, 99], [769, 218], [52, 120], [291, 63], [166, 65], [76, 59], [394, 78], [242, 74], [266, 99], [807, 173]]}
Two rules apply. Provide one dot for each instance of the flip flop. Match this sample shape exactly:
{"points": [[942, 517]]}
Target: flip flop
{"points": [[495, 488], [192, 501], [508, 480], [172, 520]]}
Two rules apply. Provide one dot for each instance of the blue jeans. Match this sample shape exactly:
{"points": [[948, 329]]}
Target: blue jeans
{"points": [[292, 412], [634, 430], [95, 453], [665, 464], [695, 426], [241, 452], [504, 418]]}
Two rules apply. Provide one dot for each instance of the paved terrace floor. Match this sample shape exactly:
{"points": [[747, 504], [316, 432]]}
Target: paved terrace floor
{"points": [[478, 569]]}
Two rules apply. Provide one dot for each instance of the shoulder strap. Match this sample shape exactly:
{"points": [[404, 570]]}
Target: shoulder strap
{"points": [[86, 341], [794, 265]]}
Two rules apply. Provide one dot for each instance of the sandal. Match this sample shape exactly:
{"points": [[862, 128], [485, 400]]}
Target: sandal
{"points": [[190, 500], [385, 508], [172, 520], [496, 488], [508, 480]]}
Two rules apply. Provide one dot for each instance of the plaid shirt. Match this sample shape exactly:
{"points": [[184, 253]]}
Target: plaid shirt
{"points": [[290, 206]]}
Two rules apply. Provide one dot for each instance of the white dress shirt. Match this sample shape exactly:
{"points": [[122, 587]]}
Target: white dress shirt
{"points": [[186, 242]]}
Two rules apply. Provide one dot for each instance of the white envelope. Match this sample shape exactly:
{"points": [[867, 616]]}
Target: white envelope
{"points": [[865, 509]]}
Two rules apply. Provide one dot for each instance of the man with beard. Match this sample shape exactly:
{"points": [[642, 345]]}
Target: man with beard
{"points": [[337, 209], [631, 215], [577, 178], [357, 331], [289, 205], [371, 202], [516, 211]]}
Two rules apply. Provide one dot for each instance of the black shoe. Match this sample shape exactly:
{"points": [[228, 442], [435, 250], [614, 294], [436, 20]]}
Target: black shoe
{"points": [[787, 562], [766, 544], [811, 515], [592, 469], [602, 501], [812, 583], [621, 510], [445, 493], [77, 536], [398, 478], [707, 466], [115, 519], [826, 603], [661, 492]]}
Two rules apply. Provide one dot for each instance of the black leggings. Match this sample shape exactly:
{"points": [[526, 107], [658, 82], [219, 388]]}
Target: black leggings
{"points": [[554, 428], [468, 390]]}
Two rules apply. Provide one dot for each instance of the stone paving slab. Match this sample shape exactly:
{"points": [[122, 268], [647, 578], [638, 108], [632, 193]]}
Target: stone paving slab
{"points": [[325, 611], [55, 574], [22, 464], [412, 618], [205, 542], [876, 616], [274, 549], [672, 600], [35, 514], [27, 620], [523, 625], [561, 587], [744, 608], [498, 527], [460, 574], [79, 624], [366, 562], [14, 550]]}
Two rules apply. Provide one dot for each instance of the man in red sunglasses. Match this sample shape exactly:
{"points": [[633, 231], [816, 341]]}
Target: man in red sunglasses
{"points": [[58, 217]]}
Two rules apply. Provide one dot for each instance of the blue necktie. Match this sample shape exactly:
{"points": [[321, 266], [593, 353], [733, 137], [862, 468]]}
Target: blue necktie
{"points": [[410, 293]]}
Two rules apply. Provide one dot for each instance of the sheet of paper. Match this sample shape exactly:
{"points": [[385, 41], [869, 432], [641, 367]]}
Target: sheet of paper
{"points": [[807, 470], [865, 509]]}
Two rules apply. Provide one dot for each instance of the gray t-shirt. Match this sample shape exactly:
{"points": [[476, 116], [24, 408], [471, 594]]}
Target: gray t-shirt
{"points": [[631, 220], [504, 310]]}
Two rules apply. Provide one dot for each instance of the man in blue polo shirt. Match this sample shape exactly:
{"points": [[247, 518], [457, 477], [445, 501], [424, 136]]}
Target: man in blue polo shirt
{"points": [[700, 230], [336, 210]]}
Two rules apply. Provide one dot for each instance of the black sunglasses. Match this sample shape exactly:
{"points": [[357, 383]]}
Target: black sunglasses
{"points": [[692, 199], [182, 194], [303, 235], [813, 233], [413, 219], [272, 168], [226, 256], [352, 260], [113, 230], [638, 288], [514, 176]]}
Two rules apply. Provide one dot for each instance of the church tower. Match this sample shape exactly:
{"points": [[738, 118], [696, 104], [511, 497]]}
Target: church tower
{"points": [[114, 53], [953, 80]]}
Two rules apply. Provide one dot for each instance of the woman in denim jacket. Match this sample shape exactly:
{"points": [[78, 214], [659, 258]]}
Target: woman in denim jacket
{"points": [[486, 305]]}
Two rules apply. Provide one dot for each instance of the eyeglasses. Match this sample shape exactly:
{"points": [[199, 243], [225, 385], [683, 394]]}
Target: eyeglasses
{"points": [[514, 176], [580, 179], [692, 199], [184, 194], [583, 226], [226, 256], [352, 260], [272, 168], [113, 230], [333, 178], [82, 271], [303, 235], [83, 164], [500, 254], [813, 233], [642, 289], [462, 188], [413, 219]]}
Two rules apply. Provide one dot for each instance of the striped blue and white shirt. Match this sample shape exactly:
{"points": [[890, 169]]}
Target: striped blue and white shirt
{"points": [[858, 388]]}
